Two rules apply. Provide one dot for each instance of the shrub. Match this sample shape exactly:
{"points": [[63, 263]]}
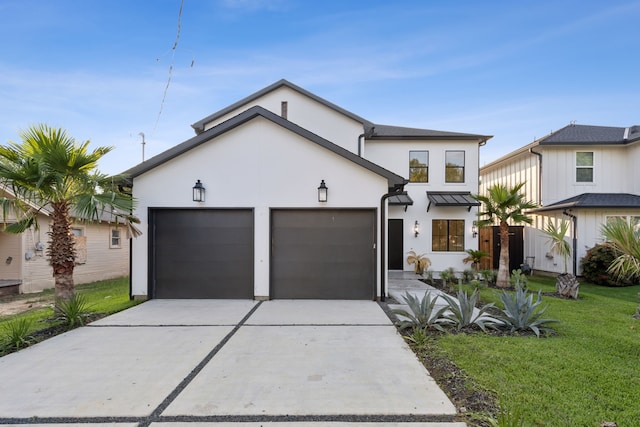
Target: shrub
{"points": [[462, 312], [423, 313], [73, 311], [468, 275], [448, 276], [16, 333], [520, 314], [595, 264], [489, 276], [518, 279]]}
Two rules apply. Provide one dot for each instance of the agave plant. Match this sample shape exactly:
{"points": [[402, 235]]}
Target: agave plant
{"points": [[462, 312], [73, 311], [16, 333], [423, 313], [520, 313], [420, 262]]}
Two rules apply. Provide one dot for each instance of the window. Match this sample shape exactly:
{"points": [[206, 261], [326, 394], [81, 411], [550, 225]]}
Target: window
{"points": [[115, 238], [634, 221], [454, 166], [418, 166], [584, 166], [447, 235]]}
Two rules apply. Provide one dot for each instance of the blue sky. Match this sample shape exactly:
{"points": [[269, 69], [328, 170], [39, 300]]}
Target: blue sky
{"points": [[513, 69]]}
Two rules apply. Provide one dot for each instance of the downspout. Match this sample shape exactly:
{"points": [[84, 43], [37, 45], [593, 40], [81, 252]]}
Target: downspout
{"points": [[575, 241], [398, 191], [360, 138], [539, 183]]}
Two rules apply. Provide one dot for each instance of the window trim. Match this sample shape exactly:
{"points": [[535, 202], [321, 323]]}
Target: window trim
{"points": [[581, 167], [447, 167], [449, 235], [426, 167], [117, 245]]}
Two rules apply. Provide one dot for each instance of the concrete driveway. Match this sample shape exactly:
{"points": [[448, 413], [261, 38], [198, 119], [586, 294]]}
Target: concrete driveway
{"points": [[213, 362]]}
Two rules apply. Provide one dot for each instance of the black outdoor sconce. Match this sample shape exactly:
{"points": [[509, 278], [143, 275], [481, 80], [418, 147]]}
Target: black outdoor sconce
{"points": [[323, 192], [198, 192], [474, 229], [416, 228]]}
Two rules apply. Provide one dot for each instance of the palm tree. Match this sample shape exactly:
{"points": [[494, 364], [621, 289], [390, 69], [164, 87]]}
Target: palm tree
{"points": [[475, 257], [503, 205], [626, 242], [559, 245], [49, 172]]}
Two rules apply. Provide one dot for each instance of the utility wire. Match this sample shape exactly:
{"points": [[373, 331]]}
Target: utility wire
{"points": [[173, 55]]}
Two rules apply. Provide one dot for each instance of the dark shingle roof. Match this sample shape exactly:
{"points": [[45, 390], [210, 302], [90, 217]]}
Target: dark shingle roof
{"points": [[589, 135], [199, 125], [595, 200], [395, 181], [398, 132]]}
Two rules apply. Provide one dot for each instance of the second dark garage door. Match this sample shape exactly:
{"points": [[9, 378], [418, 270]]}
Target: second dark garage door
{"points": [[323, 254], [201, 253]]}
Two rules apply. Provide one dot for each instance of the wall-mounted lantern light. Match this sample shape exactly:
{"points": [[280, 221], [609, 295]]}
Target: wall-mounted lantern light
{"points": [[323, 192], [474, 229], [198, 192], [416, 228]]}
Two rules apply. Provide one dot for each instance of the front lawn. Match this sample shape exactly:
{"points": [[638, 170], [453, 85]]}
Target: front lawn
{"points": [[589, 372], [103, 298]]}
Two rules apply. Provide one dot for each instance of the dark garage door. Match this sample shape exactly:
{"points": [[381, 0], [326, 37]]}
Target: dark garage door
{"points": [[201, 253], [323, 254]]}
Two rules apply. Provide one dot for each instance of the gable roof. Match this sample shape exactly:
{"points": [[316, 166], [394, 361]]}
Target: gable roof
{"points": [[395, 181], [592, 135], [378, 131], [199, 125], [595, 200]]}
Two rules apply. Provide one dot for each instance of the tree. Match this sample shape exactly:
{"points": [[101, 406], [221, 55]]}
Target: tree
{"points": [[475, 257], [559, 245], [503, 205], [50, 172], [626, 242]]}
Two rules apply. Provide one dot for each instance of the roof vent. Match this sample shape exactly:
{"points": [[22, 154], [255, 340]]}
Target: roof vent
{"points": [[284, 109]]}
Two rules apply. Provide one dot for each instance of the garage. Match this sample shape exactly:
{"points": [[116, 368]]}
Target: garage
{"points": [[323, 253], [201, 253]]}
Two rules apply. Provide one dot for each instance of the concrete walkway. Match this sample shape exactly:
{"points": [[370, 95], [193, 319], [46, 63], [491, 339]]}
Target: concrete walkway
{"points": [[211, 362]]}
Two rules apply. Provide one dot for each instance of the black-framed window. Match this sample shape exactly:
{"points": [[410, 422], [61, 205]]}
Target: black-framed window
{"points": [[419, 166], [454, 166], [584, 166], [447, 235]]}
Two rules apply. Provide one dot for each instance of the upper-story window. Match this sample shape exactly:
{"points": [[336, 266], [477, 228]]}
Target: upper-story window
{"points": [[584, 166], [418, 166], [454, 166]]}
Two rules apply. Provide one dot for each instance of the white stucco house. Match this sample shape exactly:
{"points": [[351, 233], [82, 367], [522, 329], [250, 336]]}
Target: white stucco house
{"points": [[584, 174], [286, 195]]}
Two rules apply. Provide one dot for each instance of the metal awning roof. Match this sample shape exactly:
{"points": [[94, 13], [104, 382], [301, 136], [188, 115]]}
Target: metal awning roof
{"points": [[594, 201], [401, 200], [451, 198]]}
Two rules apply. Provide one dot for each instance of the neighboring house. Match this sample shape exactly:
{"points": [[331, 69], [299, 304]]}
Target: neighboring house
{"points": [[102, 253], [587, 175], [299, 195]]}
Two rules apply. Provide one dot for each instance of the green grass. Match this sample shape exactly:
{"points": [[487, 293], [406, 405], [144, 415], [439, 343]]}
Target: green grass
{"points": [[587, 373], [103, 298]]}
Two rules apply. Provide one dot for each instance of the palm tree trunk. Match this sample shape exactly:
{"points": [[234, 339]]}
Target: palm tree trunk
{"points": [[503, 266], [62, 251]]}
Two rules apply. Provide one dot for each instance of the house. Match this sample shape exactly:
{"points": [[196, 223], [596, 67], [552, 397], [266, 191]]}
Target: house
{"points": [[284, 194], [102, 252], [584, 174]]}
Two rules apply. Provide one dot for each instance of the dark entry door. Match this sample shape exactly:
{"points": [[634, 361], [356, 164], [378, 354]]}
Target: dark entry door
{"points": [[201, 253], [323, 254], [396, 245], [516, 247]]}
